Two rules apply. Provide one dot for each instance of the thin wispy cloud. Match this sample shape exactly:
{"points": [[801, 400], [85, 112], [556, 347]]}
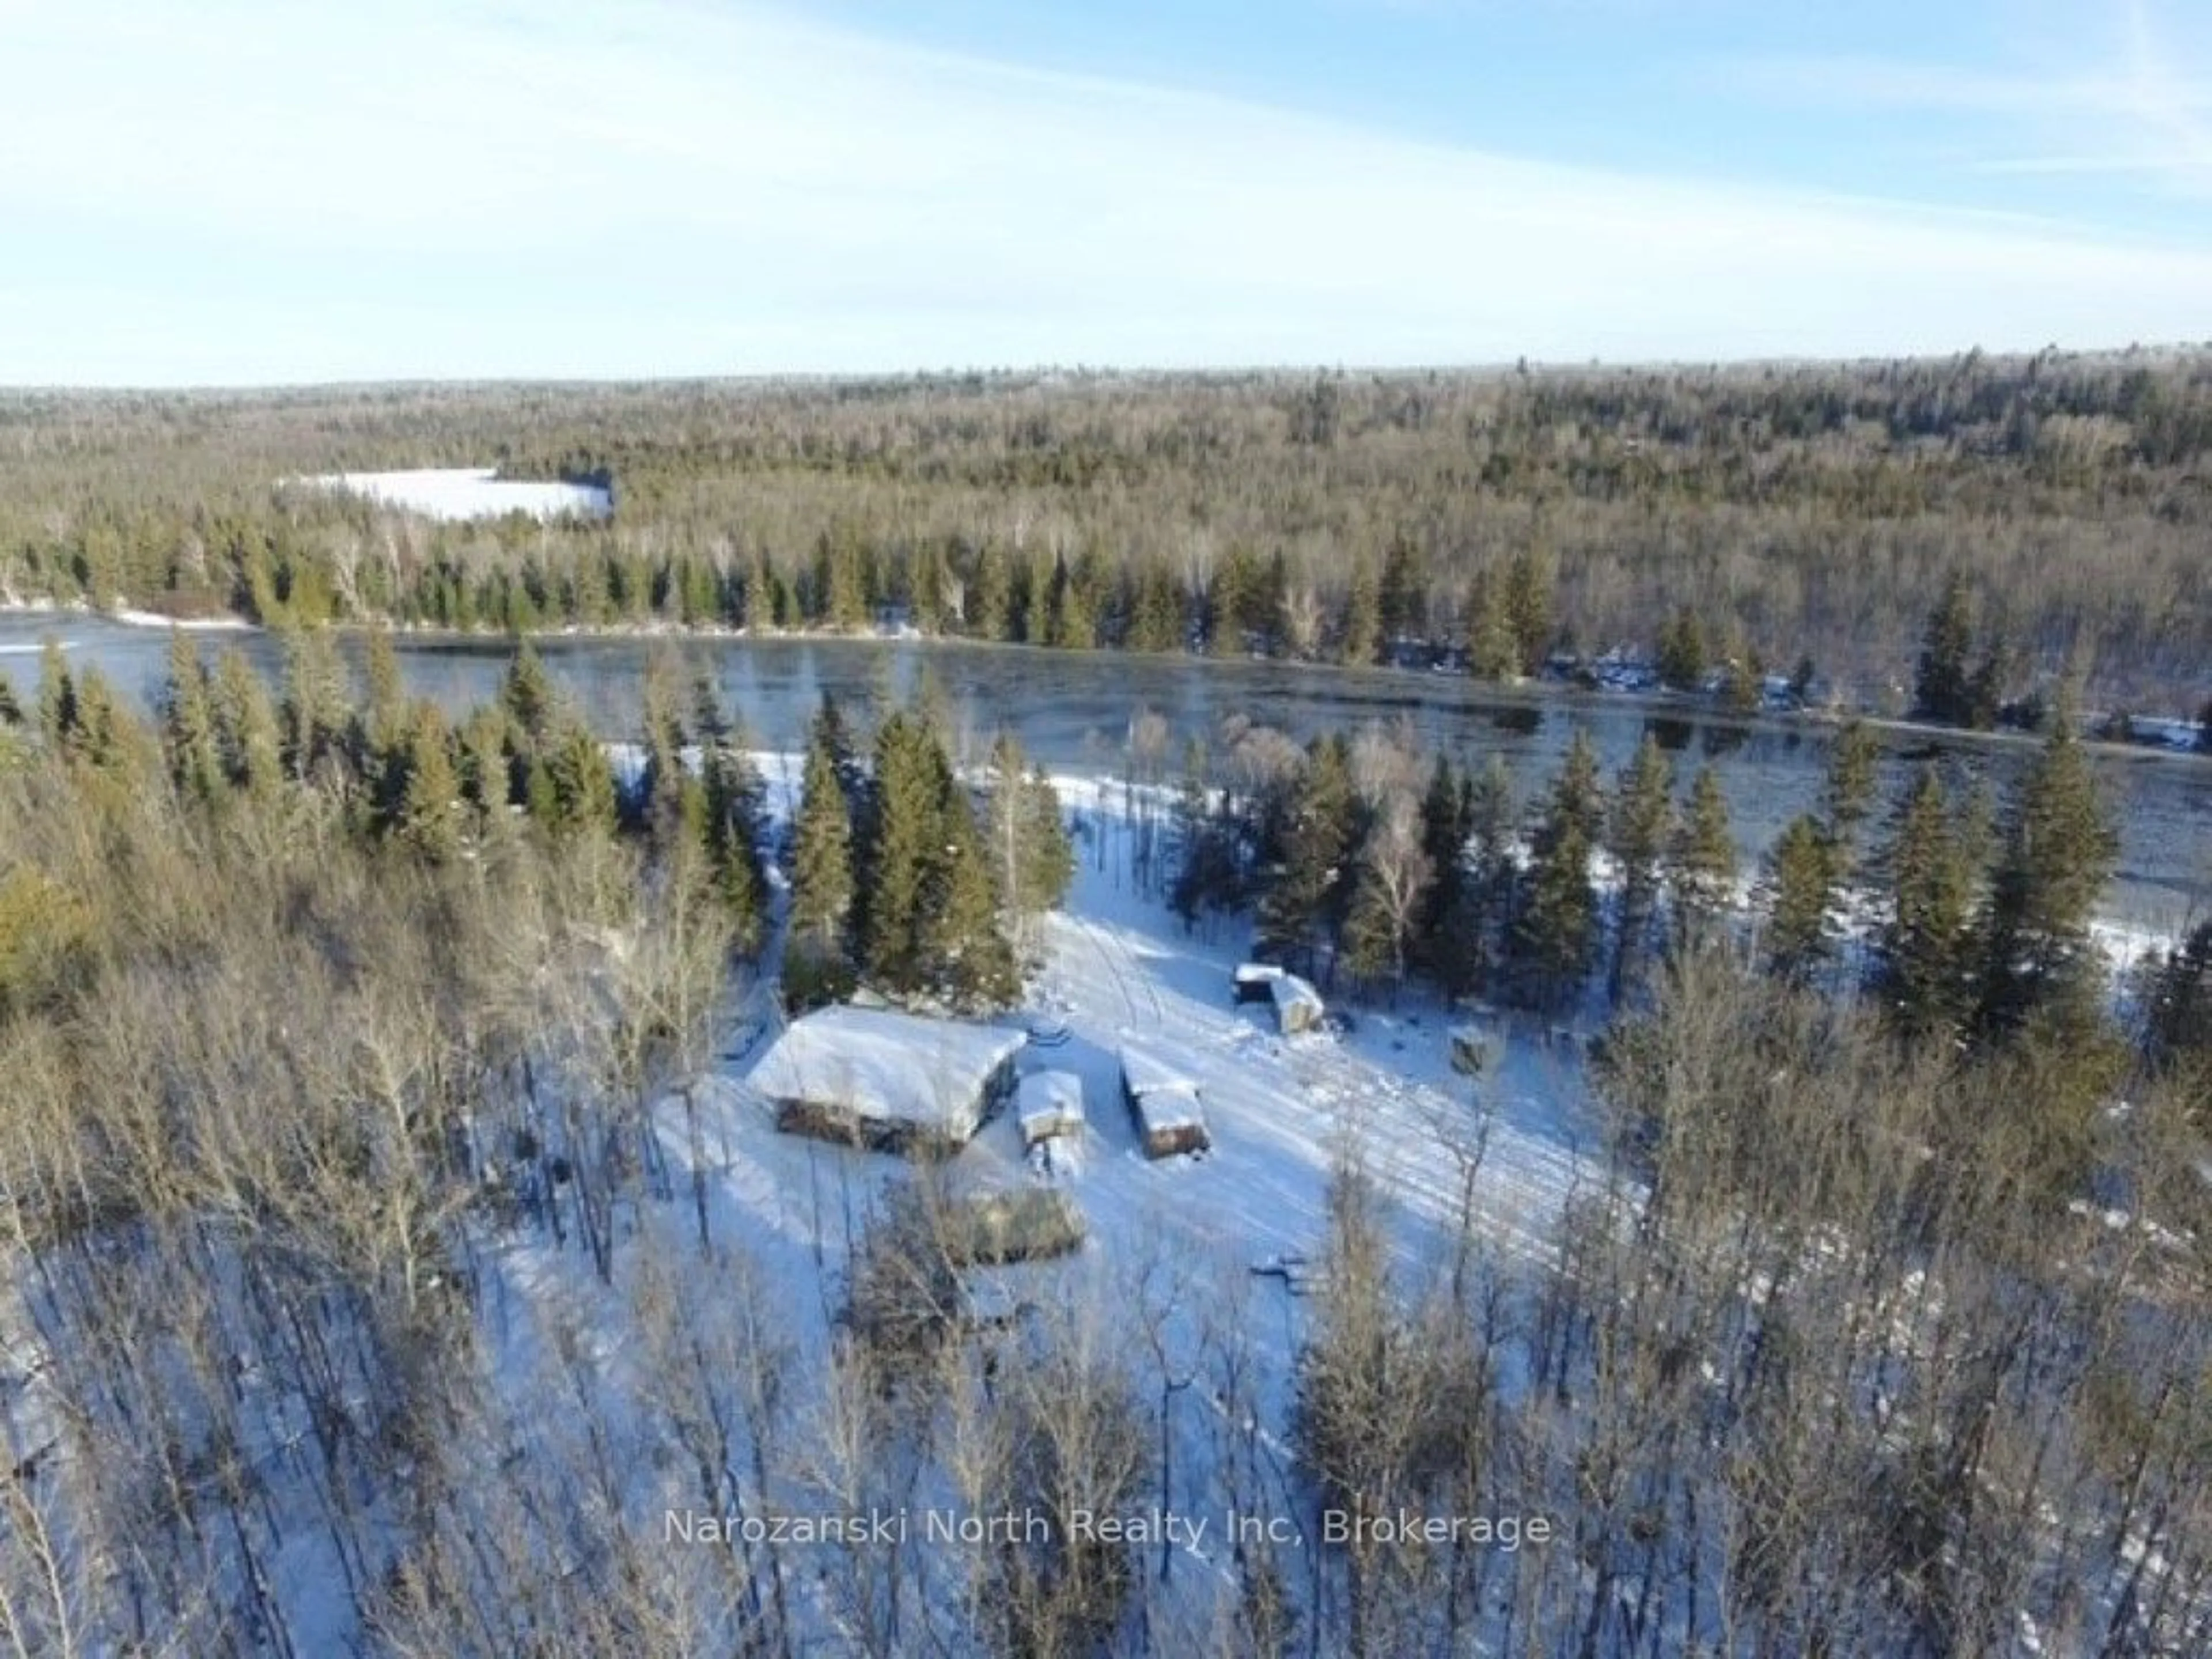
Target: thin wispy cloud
{"points": [[248, 191], [2131, 100]]}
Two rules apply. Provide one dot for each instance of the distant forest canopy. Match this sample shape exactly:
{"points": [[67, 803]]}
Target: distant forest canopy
{"points": [[1767, 518]]}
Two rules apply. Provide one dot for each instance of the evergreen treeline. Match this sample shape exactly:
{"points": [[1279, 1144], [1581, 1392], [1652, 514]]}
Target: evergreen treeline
{"points": [[901, 879], [1808, 520], [1353, 866]]}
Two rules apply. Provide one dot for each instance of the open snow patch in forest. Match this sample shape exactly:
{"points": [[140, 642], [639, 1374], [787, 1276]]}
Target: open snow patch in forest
{"points": [[470, 492]]}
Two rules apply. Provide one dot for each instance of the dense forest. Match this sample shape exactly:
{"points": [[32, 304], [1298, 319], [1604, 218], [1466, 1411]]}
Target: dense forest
{"points": [[1811, 523], [360, 1293]]}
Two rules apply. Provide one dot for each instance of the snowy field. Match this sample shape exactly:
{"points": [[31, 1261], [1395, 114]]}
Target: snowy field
{"points": [[468, 492]]}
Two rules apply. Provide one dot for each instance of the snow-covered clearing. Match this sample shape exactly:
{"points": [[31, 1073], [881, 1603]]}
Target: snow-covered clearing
{"points": [[470, 492]]}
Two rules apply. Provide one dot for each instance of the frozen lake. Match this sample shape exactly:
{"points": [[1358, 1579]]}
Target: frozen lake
{"points": [[1071, 711]]}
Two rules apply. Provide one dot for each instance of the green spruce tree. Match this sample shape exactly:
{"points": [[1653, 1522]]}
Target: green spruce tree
{"points": [[2059, 850], [1940, 683], [188, 734], [312, 710], [1705, 860], [821, 858], [245, 728], [58, 711], [1799, 890], [1307, 892], [1926, 953], [1555, 930], [1642, 828], [430, 813], [1360, 641], [907, 827]]}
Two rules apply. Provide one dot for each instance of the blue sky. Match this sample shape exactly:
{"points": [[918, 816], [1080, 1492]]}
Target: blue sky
{"points": [[251, 190]]}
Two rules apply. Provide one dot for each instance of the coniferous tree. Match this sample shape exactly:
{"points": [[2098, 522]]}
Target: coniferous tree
{"points": [[1847, 795], [1047, 850], [755, 608], [1927, 950], [725, 808], [100, 732], [1362, 618], [1207, 876], [529, 697], [907, 830], [1226, 605], [1705, 860], [1940, 683], [312, 711], [822, 857], [1403, 597], [188, 734], [1493, 648], [1307, 891], [1682, 651], [658, 805], [2179, 1012], [1555, 932], [579, 796], [966, 956], [1444, 829], [988, 591], [245, 726], [1799, 885], [1642, 828], [2059, 850], [834, 733], [58, 713], [1072, 623], [1158, 624], [485, 778], [1529, 582], [388, 692], [1984, 692], [841, 595], [429, 813], [1489, 887]]}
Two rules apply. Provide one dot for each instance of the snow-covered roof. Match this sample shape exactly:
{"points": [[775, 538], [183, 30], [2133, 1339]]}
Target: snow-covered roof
{"points": [[1057, 1094], [1289, 991], [1146, 1073], [1165, 1110], [885, 1066], [1251, 972]]}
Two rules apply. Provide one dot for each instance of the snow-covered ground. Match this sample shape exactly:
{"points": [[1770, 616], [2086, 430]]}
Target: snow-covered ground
{"points": [[470, 492]]}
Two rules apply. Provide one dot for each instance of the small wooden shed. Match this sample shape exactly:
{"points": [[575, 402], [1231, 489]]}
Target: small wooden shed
{"points": [[1049, 1104], [1164, 1105]]}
